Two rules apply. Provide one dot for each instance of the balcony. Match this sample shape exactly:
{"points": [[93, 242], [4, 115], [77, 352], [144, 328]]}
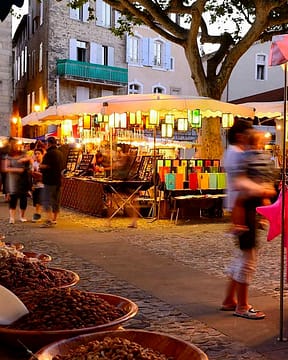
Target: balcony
{"points": [[96, 73]]}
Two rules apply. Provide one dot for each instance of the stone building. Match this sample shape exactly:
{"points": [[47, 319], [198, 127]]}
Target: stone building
{"points": [[62, 57], [6, 92]]}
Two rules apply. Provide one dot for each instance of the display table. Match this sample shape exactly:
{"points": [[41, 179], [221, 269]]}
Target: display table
{"points": [[83, 195], [188, 203], [120, 194], [100, 197]]}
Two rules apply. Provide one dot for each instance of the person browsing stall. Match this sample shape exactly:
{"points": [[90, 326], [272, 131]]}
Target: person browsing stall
{"points": [[51, 168]]}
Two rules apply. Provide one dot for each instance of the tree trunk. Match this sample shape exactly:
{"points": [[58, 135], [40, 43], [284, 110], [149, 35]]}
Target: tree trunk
{"points": [[210, 139]]}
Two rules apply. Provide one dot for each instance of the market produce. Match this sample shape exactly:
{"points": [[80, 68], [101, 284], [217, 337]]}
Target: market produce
{"points": [[20, 274], [112, 349], [64, 309]]}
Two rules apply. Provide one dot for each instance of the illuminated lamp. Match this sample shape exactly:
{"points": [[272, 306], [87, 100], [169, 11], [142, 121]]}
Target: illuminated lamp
{"points": [[227, 120], [167, 130], [87, 122], [169, 119], [182, 124], [195, 118], [153, 117]]}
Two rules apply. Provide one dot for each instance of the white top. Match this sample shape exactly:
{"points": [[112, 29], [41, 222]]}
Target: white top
{"points": [[231, 162]]}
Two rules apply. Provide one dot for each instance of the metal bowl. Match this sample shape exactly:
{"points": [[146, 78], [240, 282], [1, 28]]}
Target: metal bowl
{"points": [[162, 343]]}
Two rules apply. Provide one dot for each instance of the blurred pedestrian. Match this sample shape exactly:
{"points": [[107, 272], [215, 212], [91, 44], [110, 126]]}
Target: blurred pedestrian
{"points": [[37, 184], [51, 168], [243, 265], [17, 166], [256, 163]]}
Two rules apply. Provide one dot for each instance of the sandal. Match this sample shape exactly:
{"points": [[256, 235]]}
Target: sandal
{"points": [[250, 314]]}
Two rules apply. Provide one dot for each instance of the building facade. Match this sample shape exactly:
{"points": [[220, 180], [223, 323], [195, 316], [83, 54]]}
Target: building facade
{"points": [[6, 89], [253, 79], [156, 65], [62, 57]]}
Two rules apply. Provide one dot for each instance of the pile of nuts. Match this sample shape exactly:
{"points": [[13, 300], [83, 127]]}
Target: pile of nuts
{"points": [[65, 309], [112, 349], [20, 275], [7, 250]]}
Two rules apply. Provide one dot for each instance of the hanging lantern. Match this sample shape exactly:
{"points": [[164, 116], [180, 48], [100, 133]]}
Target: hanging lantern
{"points": [[135, 118], [169, 119], [227, 120], [153, 117], [195, 118], [167, 130], [182, 124], [87, 122], [66, 127]]}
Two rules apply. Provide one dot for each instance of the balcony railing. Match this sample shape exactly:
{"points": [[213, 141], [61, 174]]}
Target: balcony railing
{"points": [[79, 70]]}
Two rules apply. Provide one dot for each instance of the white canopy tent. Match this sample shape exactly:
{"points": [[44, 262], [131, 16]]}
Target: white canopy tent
{"points": [[269, 109], [132, 103]]}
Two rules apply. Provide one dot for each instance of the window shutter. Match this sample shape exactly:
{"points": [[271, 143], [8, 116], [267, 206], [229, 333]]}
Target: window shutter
{"points": [[145, 51], [128, 44], [99, 19], [117, 15], [110, 56], [73, 49], [167, 55], [82, 93], [74, 13], [93, 53], [85, 11], [151, 52]]}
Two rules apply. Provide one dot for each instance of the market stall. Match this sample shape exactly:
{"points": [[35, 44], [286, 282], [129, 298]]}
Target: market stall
{"points": [[153, 131]]}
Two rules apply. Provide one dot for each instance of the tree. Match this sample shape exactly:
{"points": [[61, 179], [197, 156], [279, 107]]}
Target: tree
{"points": [[188, 23], [6, 7]]}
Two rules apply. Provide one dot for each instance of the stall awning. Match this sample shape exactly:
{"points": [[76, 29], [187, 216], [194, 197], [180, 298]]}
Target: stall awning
{"points": [[132, 103]]}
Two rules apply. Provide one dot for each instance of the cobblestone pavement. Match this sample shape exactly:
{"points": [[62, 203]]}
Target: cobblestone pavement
{"points": [[205, 245]]}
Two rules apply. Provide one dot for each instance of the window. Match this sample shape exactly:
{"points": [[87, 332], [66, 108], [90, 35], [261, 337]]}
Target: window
{"points": [[41, 57], [261, 67], [101, 54], [135, 88], [104, 55], [82, 93], [81, 13], [33, 100], [175, 91], [81, 51], [158, 90], [28, 104], [41, 98], [33, 63], [103, 14], [133, 50], [41, 12], [22, 63], [18, 68], [157, 53], [25, 58], [106, 14]]}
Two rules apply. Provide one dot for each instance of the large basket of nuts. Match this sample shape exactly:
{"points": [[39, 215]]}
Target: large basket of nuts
{"points": [[56, 314], [131, 344], [20, 274]]}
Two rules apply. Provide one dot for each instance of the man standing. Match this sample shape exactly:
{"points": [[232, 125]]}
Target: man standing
{"points": [[243, 265], [51, 168]]}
